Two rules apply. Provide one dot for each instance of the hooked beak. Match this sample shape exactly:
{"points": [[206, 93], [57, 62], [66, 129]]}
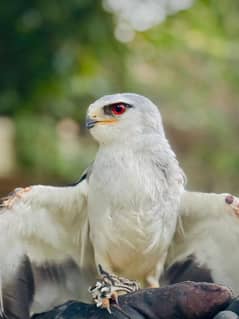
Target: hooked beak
{"points": [[90, 122]]}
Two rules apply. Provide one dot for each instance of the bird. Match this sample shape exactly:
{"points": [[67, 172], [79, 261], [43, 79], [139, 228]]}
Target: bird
{"points": [[122, 214], [124, 206]]}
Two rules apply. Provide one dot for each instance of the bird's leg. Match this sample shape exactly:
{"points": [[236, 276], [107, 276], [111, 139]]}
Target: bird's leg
{"points": [[9, 201], [154, 285], [152, 280], [109, 287]]}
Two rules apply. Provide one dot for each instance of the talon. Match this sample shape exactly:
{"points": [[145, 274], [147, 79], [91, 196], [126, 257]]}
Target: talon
{"points": [[115, 297], [106, 304], [108, 288]]}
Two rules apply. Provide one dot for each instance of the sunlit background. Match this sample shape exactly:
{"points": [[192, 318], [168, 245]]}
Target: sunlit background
{"points": [[58, 56]]}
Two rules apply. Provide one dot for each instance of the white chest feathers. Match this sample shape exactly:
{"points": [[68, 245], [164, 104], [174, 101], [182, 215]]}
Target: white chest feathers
{"points": [[133, 206]]}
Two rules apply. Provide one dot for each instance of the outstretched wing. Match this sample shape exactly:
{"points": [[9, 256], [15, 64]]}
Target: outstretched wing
{"points": [[40, 224], [205, 246]]}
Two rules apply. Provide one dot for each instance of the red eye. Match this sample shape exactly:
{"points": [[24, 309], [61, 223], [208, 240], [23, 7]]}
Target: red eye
{"points": [[118, 109]]}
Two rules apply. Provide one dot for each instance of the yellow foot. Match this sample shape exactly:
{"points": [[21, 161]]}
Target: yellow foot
{"points": [[109, 287], [18, 193]]}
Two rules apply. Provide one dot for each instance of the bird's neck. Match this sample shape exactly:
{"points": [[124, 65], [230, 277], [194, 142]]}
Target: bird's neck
{"points": [[153, 148], [140, 142]]}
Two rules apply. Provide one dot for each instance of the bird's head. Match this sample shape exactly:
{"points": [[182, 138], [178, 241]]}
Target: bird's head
{"points": [[118, 117]]}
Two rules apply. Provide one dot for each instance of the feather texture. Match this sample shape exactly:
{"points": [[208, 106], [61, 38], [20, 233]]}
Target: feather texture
{"points": [[121, 214], [211, 235]]}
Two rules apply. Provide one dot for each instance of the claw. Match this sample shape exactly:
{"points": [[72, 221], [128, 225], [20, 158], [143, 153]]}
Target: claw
{"points": [[106, 304], [115, 297], [108, 288]]}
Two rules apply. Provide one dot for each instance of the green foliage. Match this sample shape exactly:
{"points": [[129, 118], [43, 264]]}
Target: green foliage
{"points": [[45, 44], [58, 56]]}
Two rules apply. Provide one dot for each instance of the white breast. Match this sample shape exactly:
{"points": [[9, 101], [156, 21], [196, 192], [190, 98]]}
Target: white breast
{"points": [[132, 210]]}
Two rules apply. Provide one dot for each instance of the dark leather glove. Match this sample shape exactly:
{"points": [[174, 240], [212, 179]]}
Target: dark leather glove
{"points": [[186, 300]]}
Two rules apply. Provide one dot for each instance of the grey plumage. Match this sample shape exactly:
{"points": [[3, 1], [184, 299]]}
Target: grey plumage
{"points": [[19, 292]]}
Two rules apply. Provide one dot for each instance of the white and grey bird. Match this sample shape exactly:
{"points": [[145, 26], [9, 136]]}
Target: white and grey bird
{"points": [[122, 214]]}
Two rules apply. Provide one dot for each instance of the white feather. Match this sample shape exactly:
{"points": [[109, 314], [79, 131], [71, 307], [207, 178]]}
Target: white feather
{"points": [[211, 235]]}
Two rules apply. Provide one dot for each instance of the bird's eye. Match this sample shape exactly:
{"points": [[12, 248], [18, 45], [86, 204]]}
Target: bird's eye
{"points": [[118, 109]]}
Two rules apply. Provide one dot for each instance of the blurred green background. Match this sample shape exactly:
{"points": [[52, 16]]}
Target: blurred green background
{"points": [[58, 56]]}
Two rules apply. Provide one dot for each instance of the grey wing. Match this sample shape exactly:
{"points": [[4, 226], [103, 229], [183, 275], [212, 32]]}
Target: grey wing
{"points": [[205, 246], [39, 225], [58, 283]]}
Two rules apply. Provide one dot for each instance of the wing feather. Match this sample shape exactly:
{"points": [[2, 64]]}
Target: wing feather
{"points": [[46, 224], [210, 234]]}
